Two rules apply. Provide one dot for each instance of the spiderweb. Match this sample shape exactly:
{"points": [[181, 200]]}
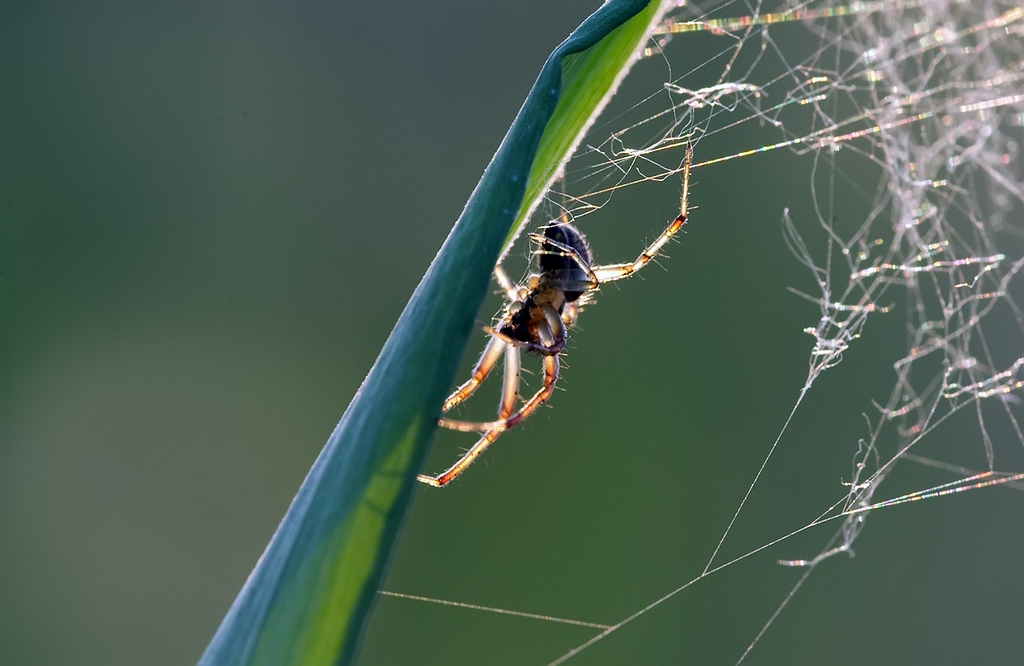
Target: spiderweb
{"points": [[918, 107]]}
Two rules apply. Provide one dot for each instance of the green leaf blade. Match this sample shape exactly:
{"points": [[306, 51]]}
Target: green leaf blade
{"points": [[591, 70], [307, 600]]}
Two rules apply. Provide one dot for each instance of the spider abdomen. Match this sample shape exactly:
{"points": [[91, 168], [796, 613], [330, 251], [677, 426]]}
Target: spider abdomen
{"points": [[561, 268]]}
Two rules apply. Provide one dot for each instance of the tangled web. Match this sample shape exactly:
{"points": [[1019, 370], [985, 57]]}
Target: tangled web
{"points": [[927, 94]]}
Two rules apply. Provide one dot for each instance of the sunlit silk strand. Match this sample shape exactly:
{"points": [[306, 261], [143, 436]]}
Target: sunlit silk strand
{"points": [[740, 22], [491, 609]]}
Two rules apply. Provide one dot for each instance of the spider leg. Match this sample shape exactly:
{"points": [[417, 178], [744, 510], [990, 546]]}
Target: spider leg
{"points": [[445, 477], [613, 272], [542, 394], [507, 286], [509, 396], [492, 352], [502, 424], [569, 313], [510, 389], [550, 377], [552, 336]]}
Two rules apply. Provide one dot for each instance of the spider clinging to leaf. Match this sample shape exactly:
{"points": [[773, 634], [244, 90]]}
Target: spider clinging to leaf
{"points": [[537, 318]]}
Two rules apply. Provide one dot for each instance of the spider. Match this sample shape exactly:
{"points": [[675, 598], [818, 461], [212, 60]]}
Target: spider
{"points": [[536, 319]]}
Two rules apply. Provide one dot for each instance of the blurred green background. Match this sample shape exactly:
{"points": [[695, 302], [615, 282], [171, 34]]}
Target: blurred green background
{"points": [[211, 214]]}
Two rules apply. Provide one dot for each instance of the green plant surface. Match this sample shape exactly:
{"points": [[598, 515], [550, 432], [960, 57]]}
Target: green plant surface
{"points": [[310, 594]]}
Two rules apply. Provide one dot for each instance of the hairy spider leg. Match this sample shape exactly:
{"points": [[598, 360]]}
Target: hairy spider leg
{"points": [[539, 398], [510, 391], [492, 352], [613, 272], [445, 477], [507, 286], [572, 310], [495, 346]]}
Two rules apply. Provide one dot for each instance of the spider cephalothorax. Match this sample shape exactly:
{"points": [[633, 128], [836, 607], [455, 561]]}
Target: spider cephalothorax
{"points": [[537, 318]]}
